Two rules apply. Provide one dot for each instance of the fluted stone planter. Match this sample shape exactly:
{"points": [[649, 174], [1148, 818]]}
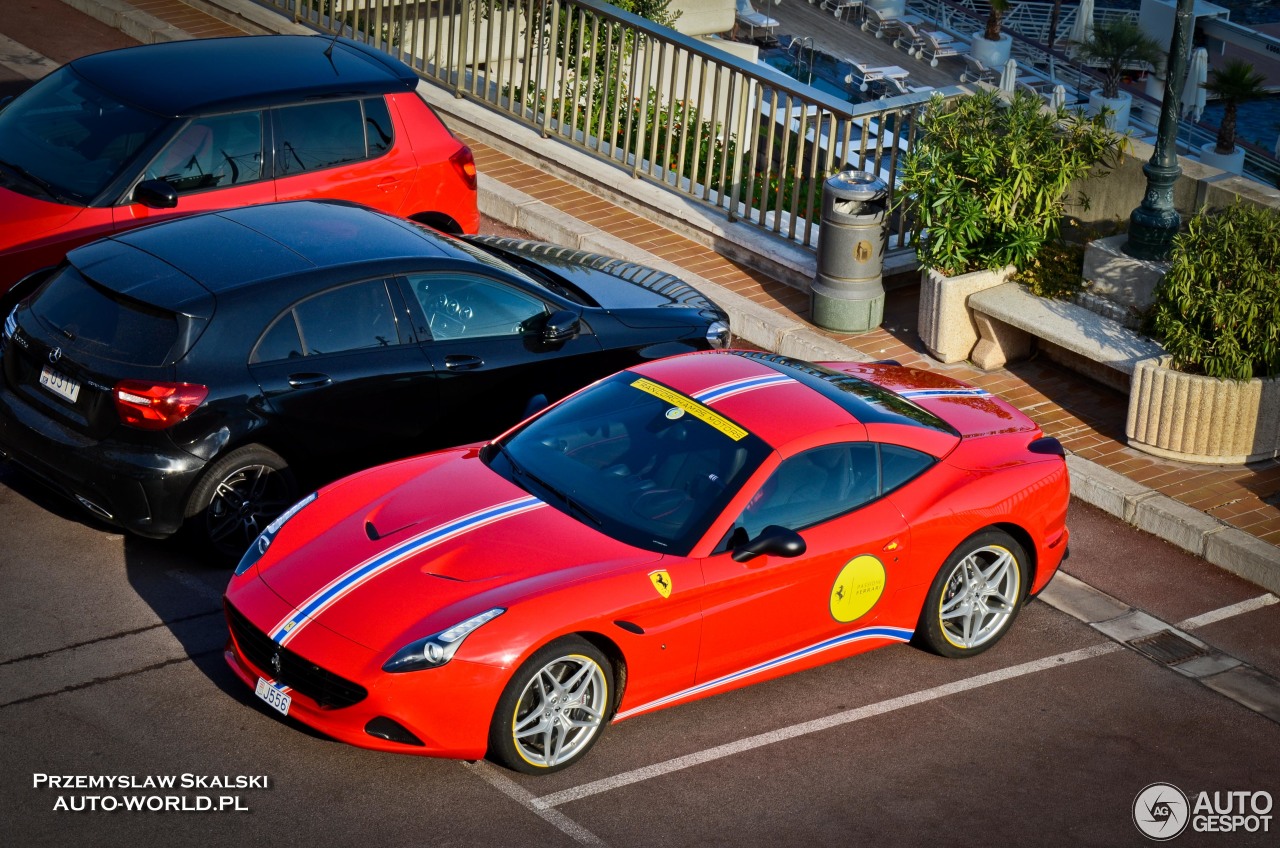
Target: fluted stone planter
{"points": [[946, 325], [1194, 418]]}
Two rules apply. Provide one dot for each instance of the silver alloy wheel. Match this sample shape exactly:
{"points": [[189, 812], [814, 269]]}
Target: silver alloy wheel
{"points": [[243, 503], [560, 710], [980, 596]]}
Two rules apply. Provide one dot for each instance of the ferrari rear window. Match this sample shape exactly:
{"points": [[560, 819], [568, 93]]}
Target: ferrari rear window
{"points": [[640, 461], [90, 320]]}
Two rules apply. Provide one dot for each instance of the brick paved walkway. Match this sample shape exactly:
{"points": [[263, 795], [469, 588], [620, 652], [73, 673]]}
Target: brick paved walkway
{"points": [[1086, 416]]}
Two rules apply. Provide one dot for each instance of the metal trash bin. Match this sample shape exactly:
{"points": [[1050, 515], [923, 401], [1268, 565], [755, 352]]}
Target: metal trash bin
{"points": [[848, 291]]}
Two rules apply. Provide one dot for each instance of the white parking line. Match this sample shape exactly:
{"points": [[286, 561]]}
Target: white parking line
{"points": [[548, 802], [1214, 616], [23, 60], [848, 716], [517, 793]]}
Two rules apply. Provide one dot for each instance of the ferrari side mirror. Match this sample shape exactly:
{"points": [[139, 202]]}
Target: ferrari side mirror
{"points": [[773, 539]]}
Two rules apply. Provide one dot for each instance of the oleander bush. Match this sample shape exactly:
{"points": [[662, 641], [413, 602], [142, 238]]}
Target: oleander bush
{"points": [[1217, 311], [987, 180]]}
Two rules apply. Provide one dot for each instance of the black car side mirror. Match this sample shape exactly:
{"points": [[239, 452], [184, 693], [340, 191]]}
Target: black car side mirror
{"points": [[157, 194], [561, 326], [773, 539]]}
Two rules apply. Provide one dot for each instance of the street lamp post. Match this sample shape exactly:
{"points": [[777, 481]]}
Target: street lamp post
{"points": [[1155, 222]]}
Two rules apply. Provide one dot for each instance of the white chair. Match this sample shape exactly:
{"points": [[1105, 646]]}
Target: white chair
{"points": [[841, 8], [748, 16], [939, 45], [909, 38], [975, 71]]}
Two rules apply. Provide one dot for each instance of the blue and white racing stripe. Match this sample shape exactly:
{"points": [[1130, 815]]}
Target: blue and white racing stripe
{"points": [[350, 580], [737, 387], [892, 634], [919, 394]]}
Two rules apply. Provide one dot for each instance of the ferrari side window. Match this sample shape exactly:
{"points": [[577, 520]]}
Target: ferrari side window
{"points": [[814, 486], [899, 465]]}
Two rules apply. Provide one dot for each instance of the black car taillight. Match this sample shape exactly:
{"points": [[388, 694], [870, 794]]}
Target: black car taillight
{"points": [[149, 405], [465, 164]]}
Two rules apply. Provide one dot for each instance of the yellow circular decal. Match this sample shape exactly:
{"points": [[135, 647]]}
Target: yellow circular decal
{"points": [[857, 589]]}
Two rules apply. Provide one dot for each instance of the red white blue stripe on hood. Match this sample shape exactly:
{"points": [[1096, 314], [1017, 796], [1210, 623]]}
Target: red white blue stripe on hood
{"points": [[350, 580], [737, 387], [892, 634]]}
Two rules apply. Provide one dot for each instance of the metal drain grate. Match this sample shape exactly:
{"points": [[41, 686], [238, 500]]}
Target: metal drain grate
{"points": [[1167, 647]]}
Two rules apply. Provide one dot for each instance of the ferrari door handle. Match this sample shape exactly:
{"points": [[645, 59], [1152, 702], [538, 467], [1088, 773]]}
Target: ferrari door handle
{"points": [[309, 381], [462, 362], [388, 183]]}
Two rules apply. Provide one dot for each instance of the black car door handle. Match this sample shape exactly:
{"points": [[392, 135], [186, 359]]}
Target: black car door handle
{"points": [[309, 381], [462, 362]]}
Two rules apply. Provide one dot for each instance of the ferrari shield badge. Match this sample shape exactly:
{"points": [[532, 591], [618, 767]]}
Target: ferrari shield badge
{"points": [[662, 582]]}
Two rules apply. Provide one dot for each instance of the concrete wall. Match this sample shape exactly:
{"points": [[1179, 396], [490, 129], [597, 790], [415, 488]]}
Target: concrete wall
{"points": [[1113, 195], [703, 17]]}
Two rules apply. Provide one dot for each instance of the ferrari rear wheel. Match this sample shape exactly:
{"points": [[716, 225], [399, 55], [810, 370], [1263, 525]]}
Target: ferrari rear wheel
{"points": [[975, 597], [553, 708]]}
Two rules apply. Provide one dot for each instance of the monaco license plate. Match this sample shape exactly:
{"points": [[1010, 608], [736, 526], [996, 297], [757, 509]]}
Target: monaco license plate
{"points": [[60, 384], [278, 700]]}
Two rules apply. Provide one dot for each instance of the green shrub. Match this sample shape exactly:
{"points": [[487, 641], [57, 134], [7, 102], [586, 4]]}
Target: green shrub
{"points": [[987, 180], [1217, 311], [1057, 271]]}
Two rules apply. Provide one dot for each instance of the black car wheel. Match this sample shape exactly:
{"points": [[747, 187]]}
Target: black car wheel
{"points": [[553, 709], [237, 497], [975, 596]]}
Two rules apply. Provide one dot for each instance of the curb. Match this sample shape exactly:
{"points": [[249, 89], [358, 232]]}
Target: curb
{"points": [[132, 22]]}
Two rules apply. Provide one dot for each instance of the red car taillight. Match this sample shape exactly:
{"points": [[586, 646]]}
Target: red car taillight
{"points": [[465, 164], [154, 406]]}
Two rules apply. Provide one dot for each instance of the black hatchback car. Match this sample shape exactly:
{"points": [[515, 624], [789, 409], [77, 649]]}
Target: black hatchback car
{"points": [[175, 375]]}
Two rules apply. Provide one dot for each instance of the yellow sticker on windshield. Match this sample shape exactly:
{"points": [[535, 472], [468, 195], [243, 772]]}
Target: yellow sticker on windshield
{"points": [[691, 406]]}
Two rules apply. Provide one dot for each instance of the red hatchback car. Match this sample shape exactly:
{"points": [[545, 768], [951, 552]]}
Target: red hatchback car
{"points": [[129, 137]]}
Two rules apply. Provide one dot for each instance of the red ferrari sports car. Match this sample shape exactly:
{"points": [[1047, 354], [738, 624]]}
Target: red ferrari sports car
{"points": [[682, 528]]}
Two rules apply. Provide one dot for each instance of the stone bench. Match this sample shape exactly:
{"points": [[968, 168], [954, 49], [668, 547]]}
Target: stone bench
{"points": [[1009, 319]]}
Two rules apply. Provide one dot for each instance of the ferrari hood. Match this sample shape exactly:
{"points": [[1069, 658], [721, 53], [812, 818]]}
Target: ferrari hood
{"points": [[612, 283], [444, 543]]}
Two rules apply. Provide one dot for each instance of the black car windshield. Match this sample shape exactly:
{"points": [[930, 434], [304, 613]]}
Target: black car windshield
{"points": [[643, 463], [67, 140]]}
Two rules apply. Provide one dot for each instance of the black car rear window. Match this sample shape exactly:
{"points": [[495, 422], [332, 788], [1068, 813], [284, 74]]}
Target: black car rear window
{"points": [[88, 319]]}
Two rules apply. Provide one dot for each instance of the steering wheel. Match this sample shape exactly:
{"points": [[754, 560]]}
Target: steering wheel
{"points": [[660, 504]]}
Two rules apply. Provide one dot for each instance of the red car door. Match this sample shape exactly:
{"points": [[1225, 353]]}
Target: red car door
{"points": [[775, 611], [345, 149]]}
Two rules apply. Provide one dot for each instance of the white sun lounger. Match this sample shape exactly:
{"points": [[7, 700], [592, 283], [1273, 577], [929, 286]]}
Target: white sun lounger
{"points": [[753, 20]]}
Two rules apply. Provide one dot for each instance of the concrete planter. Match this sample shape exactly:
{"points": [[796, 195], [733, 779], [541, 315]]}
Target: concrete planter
{"points": [[1194, 418], [1118, 120], [947, 327], [993, 54], [1232, 163]]}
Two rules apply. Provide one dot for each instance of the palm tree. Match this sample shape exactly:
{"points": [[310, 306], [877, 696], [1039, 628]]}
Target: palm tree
{"points": [[1119, 45], [998, 8], [1234, 83]]}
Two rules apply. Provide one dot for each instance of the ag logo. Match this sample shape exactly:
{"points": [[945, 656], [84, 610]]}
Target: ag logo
{"points": [[662, 582], [1160, 811], [856, 590]]}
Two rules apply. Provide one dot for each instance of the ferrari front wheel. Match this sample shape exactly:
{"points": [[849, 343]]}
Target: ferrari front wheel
{"points": [[553, 708], [975, 596]]}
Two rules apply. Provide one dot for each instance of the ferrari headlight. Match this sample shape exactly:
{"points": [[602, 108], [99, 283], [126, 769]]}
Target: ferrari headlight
{"points": [[260, 544], [718, 334], [436, 650]]}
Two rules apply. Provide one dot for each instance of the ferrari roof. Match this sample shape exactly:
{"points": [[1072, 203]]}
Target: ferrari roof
{"points": [[780, 399]]}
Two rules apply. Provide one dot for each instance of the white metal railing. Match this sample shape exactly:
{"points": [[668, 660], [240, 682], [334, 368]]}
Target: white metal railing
{"points": [[735, 135]]}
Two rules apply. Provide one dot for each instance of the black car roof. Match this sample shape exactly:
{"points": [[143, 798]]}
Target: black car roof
{"points": [[218, 74], [225, 250]]}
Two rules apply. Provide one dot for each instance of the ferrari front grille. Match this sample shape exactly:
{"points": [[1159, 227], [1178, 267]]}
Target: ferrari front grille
{"points": [[324, 687]]}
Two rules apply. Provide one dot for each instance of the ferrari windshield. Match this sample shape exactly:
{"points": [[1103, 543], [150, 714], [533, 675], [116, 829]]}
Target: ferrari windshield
{"points": [[67, 140], [643, 463]]}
